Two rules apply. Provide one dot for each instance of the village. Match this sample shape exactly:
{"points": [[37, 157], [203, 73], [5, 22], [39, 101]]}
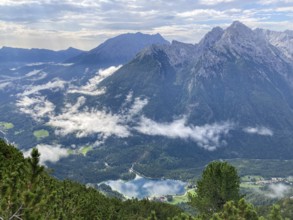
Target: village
{"points": [[260, 181]]}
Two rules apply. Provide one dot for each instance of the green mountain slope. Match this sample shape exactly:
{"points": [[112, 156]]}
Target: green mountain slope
{"points": [[27, 191]]}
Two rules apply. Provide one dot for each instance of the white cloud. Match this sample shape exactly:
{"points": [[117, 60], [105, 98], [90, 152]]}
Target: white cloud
{"points": [[87, 91], [278, 190], [4, 85], [142, 187], [214, 2], [87, 23], [201, 13], [36, 75], [33, 73], [49, 153], [85, 122], [56, 84], [137, 106], [260, 130], [269, 2], [161, 188], [208, 136], [126, 188], [37, 107], [91, 87]]}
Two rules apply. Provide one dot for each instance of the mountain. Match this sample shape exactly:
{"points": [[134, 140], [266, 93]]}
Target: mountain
{"points": [[231, 94], [281, 40], [168, 111], [75, 201], [9, 54], [118, 50], [223, 74]]}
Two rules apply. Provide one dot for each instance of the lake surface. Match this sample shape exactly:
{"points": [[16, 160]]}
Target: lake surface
{"points": [[141, 187]]}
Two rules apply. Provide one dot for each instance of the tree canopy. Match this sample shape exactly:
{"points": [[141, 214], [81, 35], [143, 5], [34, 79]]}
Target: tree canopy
{"points": [[27, 191], [219, 184]]}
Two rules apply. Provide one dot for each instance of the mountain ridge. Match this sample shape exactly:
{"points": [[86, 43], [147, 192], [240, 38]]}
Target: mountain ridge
{"points": [[170, 107], [118, 50], [11, 54]]}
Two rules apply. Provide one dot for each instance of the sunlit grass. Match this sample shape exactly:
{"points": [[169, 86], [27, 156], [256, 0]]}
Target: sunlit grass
{"points": [[6, 125], [40, 134]]}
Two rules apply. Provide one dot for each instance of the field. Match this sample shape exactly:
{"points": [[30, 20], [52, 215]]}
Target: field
{"points": [[6, 125], [40, 134], [183, 198], [85, 150]]}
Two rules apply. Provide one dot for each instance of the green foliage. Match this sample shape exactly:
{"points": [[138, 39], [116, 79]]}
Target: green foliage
{"points": [[239, 211], [275, 213], [219, 184], [28, 192]]}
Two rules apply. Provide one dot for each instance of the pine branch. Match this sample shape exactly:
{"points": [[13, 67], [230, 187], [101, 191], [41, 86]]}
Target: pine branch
{"points": [[16, 215]]}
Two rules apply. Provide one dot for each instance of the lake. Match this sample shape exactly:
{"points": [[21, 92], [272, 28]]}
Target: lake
{"points": [[141, 187]]}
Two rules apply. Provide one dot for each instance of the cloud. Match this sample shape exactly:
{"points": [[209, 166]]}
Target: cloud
{"points": [[164, 187], [49, 153], [33, 73], [214, 2], [141, 187], [208, 136], [4, 85], [269, 2], [86, 122], [87, 23], [56, 84], [135, 108], [260, 130], [37, 107], [278, 190], [126, 188], [36, 75], [91, 87]]}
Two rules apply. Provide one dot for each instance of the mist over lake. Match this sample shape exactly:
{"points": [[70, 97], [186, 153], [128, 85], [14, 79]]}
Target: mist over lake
{"points": [[142, 187]]}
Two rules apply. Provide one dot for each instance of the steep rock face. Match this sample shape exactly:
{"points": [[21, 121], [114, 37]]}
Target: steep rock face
{"points": [[118, 50], [242, 68], [232, 75], [282, 40]]}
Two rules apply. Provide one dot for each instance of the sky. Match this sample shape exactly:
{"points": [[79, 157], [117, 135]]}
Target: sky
{"points": [[84, 24]]}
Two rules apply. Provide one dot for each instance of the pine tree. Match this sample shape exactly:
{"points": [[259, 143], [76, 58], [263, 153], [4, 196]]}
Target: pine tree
{"points": [[219, 183]]}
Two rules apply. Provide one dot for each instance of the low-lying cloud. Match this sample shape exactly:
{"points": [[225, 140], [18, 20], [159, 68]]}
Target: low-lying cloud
{"points": [[91, 87], [49, 153], [4, 85], [37, 107], [86, 122], [141, 187], [259, 130], [278, 190], [208, 136], [56, 84]]}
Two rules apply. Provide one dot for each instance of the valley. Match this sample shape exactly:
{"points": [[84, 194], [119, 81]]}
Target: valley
{"points": [[164, 109]]}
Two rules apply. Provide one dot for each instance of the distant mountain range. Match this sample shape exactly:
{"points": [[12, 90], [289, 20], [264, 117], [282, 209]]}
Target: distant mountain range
{"points": [[9, 54], [118, 50], [161, 108]]}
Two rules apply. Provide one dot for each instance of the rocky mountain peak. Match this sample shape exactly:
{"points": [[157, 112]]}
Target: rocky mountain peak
{"points": [[210, 39], [238, 32]]}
